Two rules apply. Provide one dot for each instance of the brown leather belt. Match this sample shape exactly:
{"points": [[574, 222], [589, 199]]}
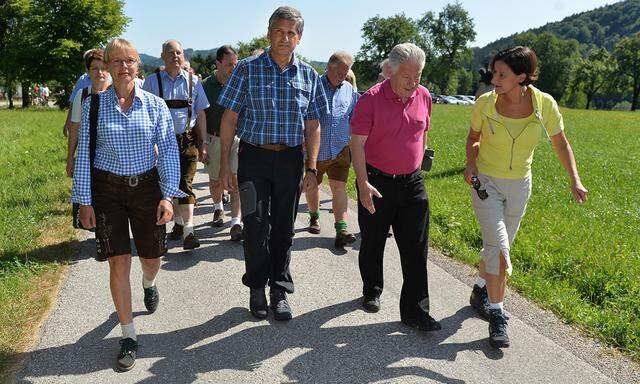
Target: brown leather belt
{"points": [[131, 181], [273, 147]]}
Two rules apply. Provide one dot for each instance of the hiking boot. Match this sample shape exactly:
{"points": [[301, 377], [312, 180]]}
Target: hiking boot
{"points": [[176, 233], [218, 218], [280, 305], [127, 355], [258, 303], [498, 337], [344, 238], [236, 232], [190, 242], [371, 303], [314, 226], [151, 299], [479, 301], [423, 322]]}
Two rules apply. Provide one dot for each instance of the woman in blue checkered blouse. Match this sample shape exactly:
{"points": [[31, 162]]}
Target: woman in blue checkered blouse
{"points": [[130, 184]]}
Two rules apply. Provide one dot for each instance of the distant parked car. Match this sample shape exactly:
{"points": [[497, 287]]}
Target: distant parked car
{"points": [[468, 98], [452, 100], [463, 100], [437, 99]]}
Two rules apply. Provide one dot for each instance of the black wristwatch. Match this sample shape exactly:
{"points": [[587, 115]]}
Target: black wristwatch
{"points": [[312, 170]]}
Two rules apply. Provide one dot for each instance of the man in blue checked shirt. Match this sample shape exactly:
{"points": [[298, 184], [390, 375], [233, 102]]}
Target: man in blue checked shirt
{"points": [[134, 176], [334, 158], [187, 101], [273, 104]]}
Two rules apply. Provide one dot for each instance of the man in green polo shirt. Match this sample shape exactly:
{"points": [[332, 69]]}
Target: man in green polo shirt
{"points": [[226, 60]]}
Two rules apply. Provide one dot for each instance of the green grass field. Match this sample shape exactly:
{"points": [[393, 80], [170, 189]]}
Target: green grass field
{"points": [[35, 232], [581, 261]]}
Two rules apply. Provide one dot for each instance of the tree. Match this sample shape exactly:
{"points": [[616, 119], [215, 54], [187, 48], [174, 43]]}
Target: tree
{"points": [[204, 65], [380, 35], [54, 34], [245, 49], [627, 54], [449, 34], [12, 18], [556, 58], [593, 73]]}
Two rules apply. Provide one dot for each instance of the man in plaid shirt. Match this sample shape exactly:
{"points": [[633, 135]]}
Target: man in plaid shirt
{"points": [[273, 104]]}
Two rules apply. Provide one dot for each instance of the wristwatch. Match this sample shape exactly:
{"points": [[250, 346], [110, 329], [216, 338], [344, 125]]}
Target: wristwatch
{"points": [[312, 170]]}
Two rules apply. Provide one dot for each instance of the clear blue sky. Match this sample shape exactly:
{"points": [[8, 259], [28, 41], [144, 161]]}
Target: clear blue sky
{"points": [[329, 26]]}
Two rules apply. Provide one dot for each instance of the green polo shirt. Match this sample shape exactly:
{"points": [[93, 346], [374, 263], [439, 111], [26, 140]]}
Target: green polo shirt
{"points": [[212, 88]]}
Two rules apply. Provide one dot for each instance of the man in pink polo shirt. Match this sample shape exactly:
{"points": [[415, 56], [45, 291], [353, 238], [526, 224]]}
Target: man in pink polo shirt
{"points": [[388, 136]]}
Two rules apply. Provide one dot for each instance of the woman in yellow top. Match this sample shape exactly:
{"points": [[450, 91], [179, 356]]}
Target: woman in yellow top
{"points": [[506, 126]]}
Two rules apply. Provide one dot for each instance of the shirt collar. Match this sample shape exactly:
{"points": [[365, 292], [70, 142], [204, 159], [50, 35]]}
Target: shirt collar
{"points": [[328, 84], [182, 73], [137, 94], [268, 61], [391, 95]]}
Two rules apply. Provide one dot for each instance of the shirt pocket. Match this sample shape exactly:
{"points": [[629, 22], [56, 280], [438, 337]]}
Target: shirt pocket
{"points": [[418, 127], [302, 93], [261, 94]]}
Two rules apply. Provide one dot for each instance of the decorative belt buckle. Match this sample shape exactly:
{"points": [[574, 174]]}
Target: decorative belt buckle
{"points": [[133, 181]]}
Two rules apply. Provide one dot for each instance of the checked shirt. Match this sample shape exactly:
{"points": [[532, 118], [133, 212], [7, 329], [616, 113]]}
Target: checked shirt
{"points": [[273, 104], [335, 132], [125, 143]]}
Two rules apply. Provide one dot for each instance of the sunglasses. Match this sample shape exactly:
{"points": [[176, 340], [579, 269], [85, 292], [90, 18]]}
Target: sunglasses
{"points": [[482, 193]]}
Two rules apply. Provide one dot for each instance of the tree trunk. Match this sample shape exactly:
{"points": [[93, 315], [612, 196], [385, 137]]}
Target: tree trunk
{"points": [[26, 97], [10, 96], [634, 101], [589, 100]]}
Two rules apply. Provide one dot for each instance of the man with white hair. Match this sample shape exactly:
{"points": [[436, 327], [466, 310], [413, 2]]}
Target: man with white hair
{"points": [[388, 137], [334, 158], [185, 97]]}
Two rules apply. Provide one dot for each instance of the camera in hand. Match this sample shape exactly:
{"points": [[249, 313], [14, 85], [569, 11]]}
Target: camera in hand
{"points": [[482, 193]]}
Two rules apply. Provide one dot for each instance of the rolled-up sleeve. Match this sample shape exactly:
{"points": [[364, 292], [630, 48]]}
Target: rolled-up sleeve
{"points": [[363, 116], [201, 101], [318, 104], [168, 155], [235, 91], [81, 191]]}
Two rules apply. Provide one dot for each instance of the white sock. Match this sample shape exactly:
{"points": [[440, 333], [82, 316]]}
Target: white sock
{"points": [[148, 283], [178, 220], [188, 228], [496, 306], [235, 220], [480, 282], [128, 331], [218, 206]]}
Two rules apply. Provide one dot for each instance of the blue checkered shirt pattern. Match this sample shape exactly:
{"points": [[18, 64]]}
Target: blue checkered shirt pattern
{"points": [[273, 104], [335, 132], [125, 143], [178, 89]]}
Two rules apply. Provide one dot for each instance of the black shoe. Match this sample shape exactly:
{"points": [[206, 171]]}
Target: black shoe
{"points": [[498, 337], [236, 232], [479, 301], [190, 242], [314, 226], [344, 238], [151, 298], [218, 218], [423, 322], [280, 305], [127, 355], [176, 233], [258, 303], [371, 303]]}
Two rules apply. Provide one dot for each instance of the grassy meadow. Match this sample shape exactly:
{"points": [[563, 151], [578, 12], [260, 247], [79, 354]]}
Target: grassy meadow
{"points": [[581, 261], [35, 228]]}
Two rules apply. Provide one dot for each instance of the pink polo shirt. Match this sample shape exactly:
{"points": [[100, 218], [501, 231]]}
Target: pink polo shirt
{"points": [[395, 131]]}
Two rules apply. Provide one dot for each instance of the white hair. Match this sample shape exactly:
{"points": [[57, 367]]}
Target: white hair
{"points": [[405, 53]]}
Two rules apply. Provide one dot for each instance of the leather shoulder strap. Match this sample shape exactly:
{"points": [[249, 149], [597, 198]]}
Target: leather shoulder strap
{"points": [[160, 91]]}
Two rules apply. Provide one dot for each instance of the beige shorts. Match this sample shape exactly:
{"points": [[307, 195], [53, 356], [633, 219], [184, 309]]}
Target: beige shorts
{"points": [[213, 151], [499, 216]]}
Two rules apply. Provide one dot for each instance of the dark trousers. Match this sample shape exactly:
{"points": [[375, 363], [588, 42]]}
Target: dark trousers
{"points": [[269, 184], [405, 207]]}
